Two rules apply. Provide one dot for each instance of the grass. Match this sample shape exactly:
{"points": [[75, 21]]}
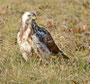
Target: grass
{"points": [[70, 27]]}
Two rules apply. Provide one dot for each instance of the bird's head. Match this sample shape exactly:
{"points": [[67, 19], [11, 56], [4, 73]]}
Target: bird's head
{"points": [[28, 18]]}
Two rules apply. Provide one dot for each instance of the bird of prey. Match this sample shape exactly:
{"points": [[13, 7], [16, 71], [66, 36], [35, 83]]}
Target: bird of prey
{"points": [[35, 39]]}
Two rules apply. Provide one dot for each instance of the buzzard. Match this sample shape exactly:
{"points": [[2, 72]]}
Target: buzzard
{"points": [[35, 39]]}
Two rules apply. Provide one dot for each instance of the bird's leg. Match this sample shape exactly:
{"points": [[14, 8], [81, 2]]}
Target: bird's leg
{"points": [[40, 62], [24, 54], [45, 61]]}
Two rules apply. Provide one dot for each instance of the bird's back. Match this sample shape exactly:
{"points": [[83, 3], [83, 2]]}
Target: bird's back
{"points": [[46, 38]]}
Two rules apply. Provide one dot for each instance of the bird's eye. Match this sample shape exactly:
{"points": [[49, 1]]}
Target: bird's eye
{"points": [[29, 15]]}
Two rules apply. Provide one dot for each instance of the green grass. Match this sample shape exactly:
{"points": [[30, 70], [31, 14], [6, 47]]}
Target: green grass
{"points": [[67, 17]]}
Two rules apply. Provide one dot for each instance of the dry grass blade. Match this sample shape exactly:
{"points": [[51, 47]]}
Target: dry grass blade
{"points": [[0, 36]]}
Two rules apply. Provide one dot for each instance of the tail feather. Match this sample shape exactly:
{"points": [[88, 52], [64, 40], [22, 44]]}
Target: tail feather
{"points": [[62, 54]]}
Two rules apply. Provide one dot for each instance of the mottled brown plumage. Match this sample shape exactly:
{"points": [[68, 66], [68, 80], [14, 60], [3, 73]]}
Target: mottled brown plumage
{"points": [[34, 39], [47, 40]]}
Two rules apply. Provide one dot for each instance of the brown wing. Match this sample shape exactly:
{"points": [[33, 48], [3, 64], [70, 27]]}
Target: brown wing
{"points": [[47, 39]]}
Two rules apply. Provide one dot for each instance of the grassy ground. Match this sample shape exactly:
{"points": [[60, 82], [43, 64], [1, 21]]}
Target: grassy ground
{"points": [[69, 23]]}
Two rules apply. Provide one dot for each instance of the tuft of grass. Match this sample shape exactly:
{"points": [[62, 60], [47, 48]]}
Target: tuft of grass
{"points": [[70, 25]]}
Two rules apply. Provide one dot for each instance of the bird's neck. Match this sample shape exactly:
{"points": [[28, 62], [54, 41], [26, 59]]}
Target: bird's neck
{"points": [[25, 31], [34, 25]]}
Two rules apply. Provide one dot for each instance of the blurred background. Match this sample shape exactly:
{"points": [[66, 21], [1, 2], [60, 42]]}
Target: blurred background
{"points": [[68, 21]]}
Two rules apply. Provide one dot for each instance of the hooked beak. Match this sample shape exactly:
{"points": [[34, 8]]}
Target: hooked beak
{"points": [[34, 17]]}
